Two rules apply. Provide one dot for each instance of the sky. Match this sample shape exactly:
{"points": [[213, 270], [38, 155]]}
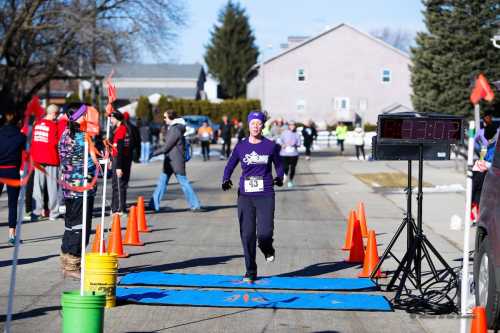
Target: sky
{"points": [[274, 20]]}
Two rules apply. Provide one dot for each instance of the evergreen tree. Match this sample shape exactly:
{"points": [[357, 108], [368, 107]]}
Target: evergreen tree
{"points": [[231, 51], [449, 55], [143, 110]]}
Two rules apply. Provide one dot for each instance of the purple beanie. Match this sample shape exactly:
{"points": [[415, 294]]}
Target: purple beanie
{"points": [[78, 113], [256, 115]]}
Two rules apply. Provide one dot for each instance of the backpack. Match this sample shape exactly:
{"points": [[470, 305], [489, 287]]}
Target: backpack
{"points": [[187, 149]]}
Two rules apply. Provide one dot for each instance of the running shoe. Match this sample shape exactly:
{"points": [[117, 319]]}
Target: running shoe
{"points": [[250, 277], [290, 183], [12, 241], [270, 258]]}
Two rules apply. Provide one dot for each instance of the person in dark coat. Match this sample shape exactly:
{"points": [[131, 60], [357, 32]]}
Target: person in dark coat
{"points": [[11, 147], [309, 134], [225, 133], [174, 163]]}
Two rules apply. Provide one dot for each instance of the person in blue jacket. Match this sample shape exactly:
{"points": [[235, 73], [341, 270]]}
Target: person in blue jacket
{"points": [[12, 144], [256, 191]]}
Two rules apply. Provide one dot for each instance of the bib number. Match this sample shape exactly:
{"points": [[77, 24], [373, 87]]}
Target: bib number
{"points": [[254, 184]]}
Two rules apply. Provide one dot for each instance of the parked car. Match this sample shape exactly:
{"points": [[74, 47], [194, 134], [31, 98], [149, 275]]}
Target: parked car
{"points": [[194, 122], [487, 245]]}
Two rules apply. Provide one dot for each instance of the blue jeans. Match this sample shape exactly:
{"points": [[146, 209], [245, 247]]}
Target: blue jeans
{"points": [[145, 151], [161, 188]]}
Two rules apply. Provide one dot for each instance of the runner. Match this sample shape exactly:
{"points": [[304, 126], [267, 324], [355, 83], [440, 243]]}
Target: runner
{"points": [[205, 135], [256, 193], [310, 134], [290, 142]]}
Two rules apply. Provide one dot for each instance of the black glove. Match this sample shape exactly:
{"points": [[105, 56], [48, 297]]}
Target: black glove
{"points": [[227, 185], [278, 181]]}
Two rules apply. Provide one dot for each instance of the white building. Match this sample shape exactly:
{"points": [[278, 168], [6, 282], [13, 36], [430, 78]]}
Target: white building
{"points": [[342, 74]]}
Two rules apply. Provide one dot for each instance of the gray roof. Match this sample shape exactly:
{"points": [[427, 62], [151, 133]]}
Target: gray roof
{"points": [[173, 71], [134, 93]]}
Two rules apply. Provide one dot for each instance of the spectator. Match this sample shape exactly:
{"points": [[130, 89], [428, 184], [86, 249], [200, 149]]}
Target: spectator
{"points": [[359, 141], [146, 137], [71, 154], [13, 142], [205, 135], [174, 163], [341, 133], [44, 151], [310, 134], [121, 162], [225, 133], [135, 137]]}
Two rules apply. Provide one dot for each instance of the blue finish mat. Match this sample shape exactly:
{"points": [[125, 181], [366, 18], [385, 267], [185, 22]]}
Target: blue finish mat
{"points": [[243, 299], [235, 281]]}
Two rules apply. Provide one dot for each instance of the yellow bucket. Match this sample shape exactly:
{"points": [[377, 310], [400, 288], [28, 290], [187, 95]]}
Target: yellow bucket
{"points": [[100, 275]]}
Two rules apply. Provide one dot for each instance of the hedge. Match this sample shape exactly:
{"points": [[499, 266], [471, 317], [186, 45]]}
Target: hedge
{"points": [[233, 108]]}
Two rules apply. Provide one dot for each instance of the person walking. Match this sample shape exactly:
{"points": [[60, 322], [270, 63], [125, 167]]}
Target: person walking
{"points": [[11, 147], [309, 134], [226, 134], [44, 152], [205, 135], [71, 154], [121, 163], [341, 133], [241, 134], [290, 142], [145, 132], [174, 163], [359, 141], [256, 202]]}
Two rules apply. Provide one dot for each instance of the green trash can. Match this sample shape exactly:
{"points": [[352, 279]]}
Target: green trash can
{"points": [[82, 314]]}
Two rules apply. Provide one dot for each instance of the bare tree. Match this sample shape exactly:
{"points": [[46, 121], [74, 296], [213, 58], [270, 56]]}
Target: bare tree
{"points": [[39, 38], [399, 38]]}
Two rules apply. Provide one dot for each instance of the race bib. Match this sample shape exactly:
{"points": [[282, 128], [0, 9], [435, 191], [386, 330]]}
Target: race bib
{"points": [[254, 184], [289, 149]]}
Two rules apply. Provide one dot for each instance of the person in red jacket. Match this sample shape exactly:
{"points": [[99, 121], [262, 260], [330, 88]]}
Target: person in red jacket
{"points": [[121, 162], [44, 151]]}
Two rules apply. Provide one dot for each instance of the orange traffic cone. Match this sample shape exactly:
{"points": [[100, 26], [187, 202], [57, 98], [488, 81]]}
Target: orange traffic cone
{"points": [[115, 238], [96, 245], [362, 219], [142, 224], [350, 228], [132, 234], [371, 257], [357, 251], [479, 323]]}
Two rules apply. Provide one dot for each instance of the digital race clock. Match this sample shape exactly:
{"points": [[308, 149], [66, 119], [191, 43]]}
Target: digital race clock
{"points": [[416, 128]]}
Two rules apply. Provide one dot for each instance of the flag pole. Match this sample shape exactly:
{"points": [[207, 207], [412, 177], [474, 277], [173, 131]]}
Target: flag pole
{"points": [[84, 213], [464, 288], [104, 186]]}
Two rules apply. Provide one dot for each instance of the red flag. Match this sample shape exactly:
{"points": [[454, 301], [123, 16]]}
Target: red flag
{"points": [[482, 90], [34, 108]]}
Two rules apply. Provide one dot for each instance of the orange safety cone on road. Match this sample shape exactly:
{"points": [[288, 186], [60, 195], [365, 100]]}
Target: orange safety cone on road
{"points": [[350, 228], [371, 257], [96, 245], [142, 224], [479, 323], [357, 251], [362, 219], [132, 233], [115, 238]]}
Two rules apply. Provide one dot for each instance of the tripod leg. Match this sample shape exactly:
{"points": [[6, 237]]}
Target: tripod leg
{"points": [[439, 257], [389, 248]]}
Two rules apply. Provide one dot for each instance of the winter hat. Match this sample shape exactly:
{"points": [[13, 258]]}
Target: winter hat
{"points": [[256, 115], [117, 115]]}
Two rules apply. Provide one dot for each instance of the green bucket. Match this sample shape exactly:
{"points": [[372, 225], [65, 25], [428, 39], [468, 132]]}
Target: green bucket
{"points": [[83, 314]]}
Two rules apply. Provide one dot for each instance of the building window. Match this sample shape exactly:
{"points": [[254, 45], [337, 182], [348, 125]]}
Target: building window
{"points": [[301, 74], [386, 75], [363, 105], [301, 105], [341, 103]]}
